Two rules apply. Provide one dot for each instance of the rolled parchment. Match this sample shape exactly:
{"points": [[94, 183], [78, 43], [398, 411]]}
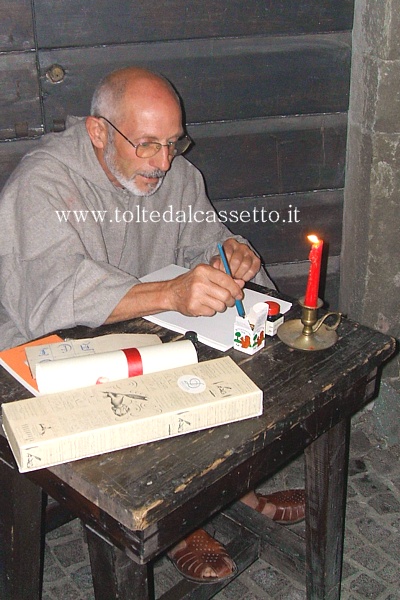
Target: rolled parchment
{"points": [[83, 371]]}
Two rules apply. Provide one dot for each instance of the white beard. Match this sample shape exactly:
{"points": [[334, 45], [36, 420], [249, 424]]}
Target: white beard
{"points": [[129, 184]]}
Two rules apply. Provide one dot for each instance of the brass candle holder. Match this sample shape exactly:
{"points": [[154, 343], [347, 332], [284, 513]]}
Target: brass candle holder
{"points": [[309, 332]]}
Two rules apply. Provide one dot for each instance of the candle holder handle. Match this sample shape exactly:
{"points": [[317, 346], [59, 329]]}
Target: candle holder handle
{"points": [[328, 327], [309, 332]]}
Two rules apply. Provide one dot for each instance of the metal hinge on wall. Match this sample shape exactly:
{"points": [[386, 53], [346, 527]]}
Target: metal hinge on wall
{"points": [[21, 129], [58, 125]]}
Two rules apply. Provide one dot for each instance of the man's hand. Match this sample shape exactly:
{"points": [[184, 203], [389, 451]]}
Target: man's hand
{"points": [[243, 263], [203, 291]]}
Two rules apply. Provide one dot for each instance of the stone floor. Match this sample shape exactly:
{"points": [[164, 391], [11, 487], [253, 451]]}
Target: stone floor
{"points": [[372, 539]]}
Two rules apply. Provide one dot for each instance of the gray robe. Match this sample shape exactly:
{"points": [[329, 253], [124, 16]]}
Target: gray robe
{"points": [[72, 244]]}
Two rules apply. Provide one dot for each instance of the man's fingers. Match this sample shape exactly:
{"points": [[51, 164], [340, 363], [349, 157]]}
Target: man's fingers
{"points": [[205, 291], [244, 264]]}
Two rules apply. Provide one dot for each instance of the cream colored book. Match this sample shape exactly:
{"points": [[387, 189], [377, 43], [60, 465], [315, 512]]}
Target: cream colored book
{"points": [[61, 427]]}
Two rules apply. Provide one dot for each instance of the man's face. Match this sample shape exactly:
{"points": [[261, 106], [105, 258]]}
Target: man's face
{"points": [[148, 181], [156, 120]]}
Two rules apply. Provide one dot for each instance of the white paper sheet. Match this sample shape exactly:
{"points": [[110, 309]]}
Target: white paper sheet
{"points": [[216, 331]]}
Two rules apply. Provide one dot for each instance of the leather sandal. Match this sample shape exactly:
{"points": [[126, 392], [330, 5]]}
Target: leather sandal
{"points": [[198, 555], [290, 505]]}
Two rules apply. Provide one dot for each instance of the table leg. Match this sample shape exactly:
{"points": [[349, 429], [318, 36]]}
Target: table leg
{"points": [[326, 465], [21, 536], [115, 575]]}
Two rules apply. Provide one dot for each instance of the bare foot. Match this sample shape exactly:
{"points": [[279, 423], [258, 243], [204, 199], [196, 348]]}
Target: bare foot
{"points": [[250, 499], [285, 506]]}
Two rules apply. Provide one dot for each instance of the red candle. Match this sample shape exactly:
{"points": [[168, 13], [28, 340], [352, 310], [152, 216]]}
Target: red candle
{"points": [[315, 257]]}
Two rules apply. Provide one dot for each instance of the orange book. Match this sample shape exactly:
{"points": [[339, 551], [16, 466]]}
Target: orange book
{"points": [[15, 362]]}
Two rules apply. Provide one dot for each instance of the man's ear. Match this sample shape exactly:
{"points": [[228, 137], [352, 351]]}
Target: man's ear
{"points": [[97, 131]]}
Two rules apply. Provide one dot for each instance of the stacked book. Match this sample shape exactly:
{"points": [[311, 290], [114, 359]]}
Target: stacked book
{"points": [[68, 425]]}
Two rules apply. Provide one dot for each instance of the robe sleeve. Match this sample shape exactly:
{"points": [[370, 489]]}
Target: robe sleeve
{"points": [[48, 278], [199, 243]]}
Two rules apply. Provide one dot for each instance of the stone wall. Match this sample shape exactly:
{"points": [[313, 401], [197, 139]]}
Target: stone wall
{"points": [[370, 261]]}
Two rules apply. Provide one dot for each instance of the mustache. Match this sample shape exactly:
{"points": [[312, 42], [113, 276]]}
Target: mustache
{"points": [[156, 173]]}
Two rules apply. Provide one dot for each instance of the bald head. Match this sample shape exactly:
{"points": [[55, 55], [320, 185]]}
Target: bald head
{"points": [[132, 107], [120, 91]]}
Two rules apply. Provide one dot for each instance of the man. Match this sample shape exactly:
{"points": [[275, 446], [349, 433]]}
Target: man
{"points": [[75, 241], [61, 267]]}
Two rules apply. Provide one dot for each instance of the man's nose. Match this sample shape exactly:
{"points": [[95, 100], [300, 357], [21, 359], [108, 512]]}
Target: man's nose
{"points": [[162, 160]]}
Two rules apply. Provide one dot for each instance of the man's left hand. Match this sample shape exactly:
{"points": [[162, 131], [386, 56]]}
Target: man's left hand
{"points": [[244, 264]]}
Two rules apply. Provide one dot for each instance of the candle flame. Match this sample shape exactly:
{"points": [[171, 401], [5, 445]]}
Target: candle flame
{"points": [[313, 239]]}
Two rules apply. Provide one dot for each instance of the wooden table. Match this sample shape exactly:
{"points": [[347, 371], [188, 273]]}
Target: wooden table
{"points": [[137, 502]]}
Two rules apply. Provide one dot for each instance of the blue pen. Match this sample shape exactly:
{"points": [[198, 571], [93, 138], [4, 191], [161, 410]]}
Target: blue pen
{"points": [[239, 303]]}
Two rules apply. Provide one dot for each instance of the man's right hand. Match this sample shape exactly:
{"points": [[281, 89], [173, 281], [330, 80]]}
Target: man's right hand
{"points": [[201, 292]]}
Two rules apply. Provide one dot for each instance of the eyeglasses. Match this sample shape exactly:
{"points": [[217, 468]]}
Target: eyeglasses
{"points": [[149, 149]]}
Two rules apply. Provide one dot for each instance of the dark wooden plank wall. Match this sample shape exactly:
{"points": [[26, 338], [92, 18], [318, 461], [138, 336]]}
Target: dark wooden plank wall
{"points": [[265, 86]]}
